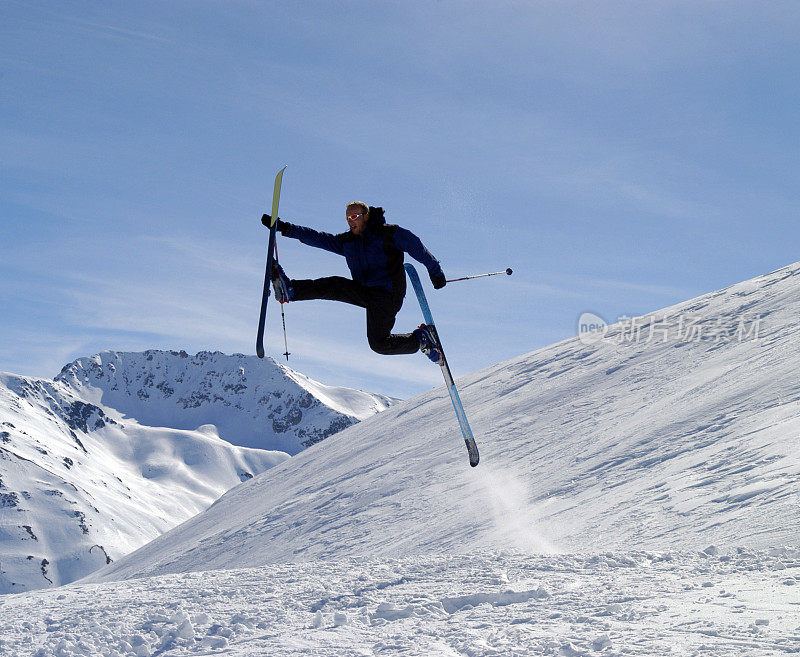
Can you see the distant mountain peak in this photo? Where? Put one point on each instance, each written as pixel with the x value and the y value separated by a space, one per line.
pixel 253 402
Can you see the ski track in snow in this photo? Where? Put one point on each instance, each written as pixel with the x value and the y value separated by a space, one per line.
pixel 507 603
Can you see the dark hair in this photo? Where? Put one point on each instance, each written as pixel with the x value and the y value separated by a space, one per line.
pixel 376 217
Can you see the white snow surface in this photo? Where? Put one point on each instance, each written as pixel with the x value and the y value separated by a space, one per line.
pixel 252 402
pixel 635 497
pixel 481 605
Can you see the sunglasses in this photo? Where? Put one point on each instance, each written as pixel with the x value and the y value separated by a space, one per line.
pixel 354 217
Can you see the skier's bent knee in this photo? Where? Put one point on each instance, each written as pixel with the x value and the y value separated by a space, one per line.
pixel 379 347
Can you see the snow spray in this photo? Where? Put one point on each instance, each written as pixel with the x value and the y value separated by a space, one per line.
pixel 515 517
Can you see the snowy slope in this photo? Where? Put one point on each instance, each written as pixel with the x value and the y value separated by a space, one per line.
pixel 80 487
pixel 252 402
pixel 655 442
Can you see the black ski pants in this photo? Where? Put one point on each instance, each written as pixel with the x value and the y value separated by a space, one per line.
pixel 382 307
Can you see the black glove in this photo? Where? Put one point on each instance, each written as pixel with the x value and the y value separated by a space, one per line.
pixel 281 226
pixel 438 281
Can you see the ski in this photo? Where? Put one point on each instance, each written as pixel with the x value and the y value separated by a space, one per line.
pixel 276 194
pixel 472 447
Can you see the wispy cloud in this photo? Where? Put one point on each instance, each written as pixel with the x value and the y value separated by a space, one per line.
pixel 216 255
pixel 653 290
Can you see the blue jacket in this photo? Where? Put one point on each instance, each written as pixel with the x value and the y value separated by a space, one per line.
pixel 375 257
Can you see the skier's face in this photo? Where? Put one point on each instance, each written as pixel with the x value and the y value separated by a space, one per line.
pixel 356 219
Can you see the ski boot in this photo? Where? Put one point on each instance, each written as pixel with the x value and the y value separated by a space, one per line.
pixel 284 292
pixel 428 344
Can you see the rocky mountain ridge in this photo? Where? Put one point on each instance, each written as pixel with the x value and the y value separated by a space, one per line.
pixel 252 402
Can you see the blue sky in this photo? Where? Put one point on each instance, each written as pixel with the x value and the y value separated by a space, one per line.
pixel 620 156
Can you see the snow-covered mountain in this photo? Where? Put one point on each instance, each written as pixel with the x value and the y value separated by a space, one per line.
pixel 664 431
pixel 81 484
pixel 252 402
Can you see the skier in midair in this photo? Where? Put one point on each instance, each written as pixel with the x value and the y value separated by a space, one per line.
pixel 374 253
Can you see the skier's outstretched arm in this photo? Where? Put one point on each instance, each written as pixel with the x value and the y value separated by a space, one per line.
pixel 309 236
pixel 413 246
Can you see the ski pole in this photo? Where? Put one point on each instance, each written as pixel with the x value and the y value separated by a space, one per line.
pixel 508 271
pixel 285 345
pixel 283 316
